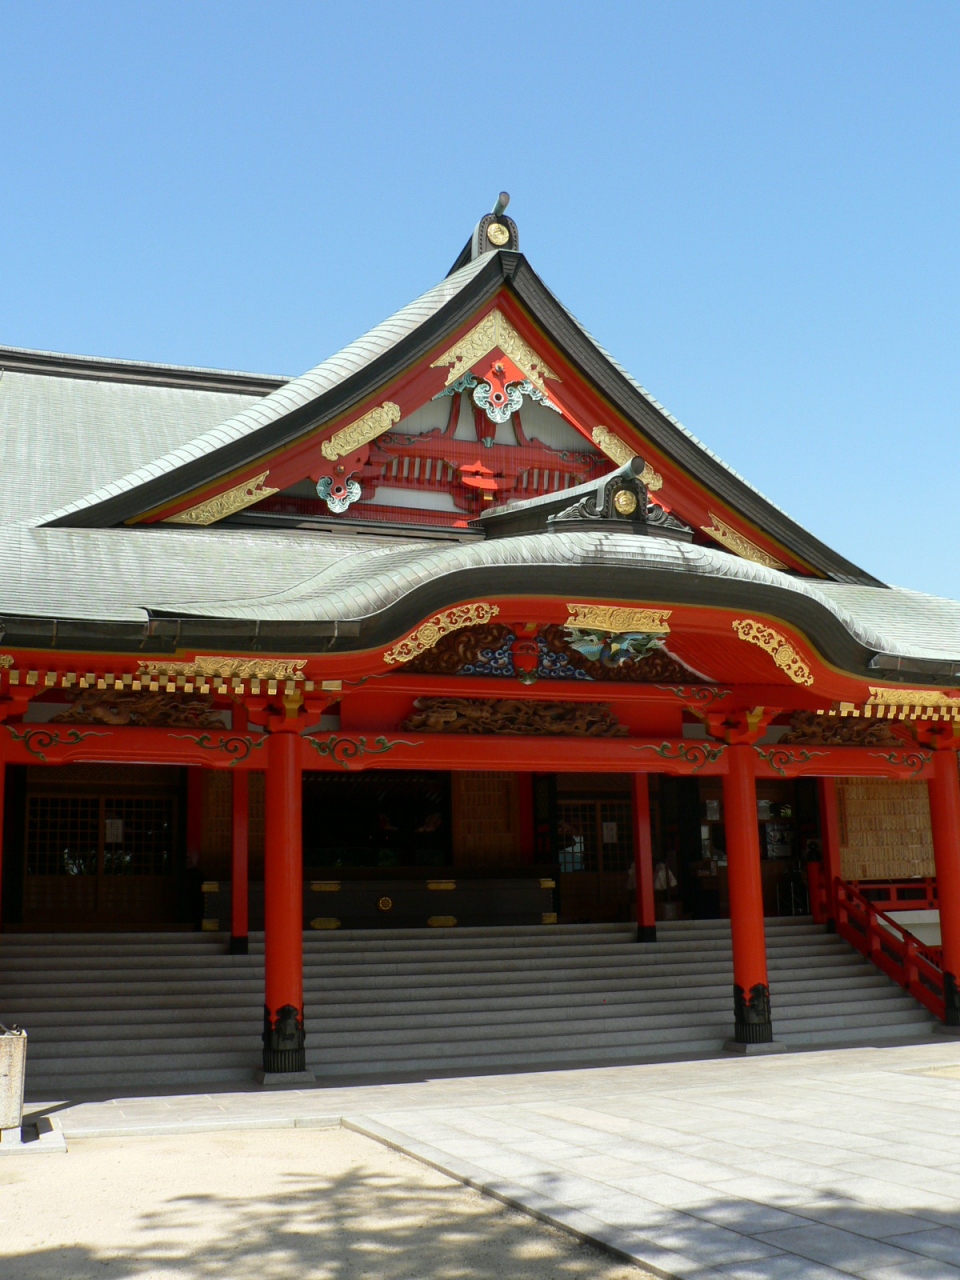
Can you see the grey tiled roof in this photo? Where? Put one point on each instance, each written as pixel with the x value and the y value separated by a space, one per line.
pixel 293 395
pixel 120 574
pixel 61 436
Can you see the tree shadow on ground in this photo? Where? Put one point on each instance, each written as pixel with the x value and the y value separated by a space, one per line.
pixel 360 1225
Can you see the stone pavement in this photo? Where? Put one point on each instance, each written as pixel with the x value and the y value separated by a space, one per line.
pixel 808 1165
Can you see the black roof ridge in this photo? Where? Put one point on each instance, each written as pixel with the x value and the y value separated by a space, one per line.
pixel 510 268
pixel 55 364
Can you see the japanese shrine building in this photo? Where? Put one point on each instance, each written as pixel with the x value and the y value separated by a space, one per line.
pixel 458 628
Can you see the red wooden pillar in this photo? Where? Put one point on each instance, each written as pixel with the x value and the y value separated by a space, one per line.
pixel 830 844
pixel 751 991
pixel 643 860
pixel 239 886
pixel 283 1034
pixel 944 788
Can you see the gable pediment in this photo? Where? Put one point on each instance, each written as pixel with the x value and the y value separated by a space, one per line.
pixel 493 347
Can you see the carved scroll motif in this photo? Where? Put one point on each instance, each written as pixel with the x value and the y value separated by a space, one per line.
pixel 350 438
pixel 778 646
pixel 427 635
pixel 229 668
pixel 603 617
pixel 6 659
pixel 508 716
pixel 621 453
pixel 226 503
pixel 722 532
pixel 494 331
pixel 911 698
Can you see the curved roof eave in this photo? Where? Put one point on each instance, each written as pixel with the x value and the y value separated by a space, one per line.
pixel 360 368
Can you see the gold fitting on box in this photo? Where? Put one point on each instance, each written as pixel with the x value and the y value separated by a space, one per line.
pixel 325 922
pixel 210 886
pixel 324 886
pixel 442 922
pixel 549 917
pixel 210 926
pixel 548 884
pixel 438 885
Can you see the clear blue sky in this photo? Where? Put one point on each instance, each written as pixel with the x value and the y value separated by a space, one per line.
pixel 753 205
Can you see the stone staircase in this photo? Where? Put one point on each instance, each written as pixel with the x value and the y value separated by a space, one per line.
pixel 128 1011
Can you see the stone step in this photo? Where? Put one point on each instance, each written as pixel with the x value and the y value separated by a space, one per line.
pixel 112 1011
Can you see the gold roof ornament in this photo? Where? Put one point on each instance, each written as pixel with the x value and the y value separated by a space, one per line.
pixel 740 545
pixel 494 332
pixel 618 619
pixel 350 438
pixel 225 504
pixel 427 635
pixel 621 453
pixel 778 646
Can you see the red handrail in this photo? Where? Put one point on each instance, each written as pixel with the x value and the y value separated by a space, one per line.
pixel 891 948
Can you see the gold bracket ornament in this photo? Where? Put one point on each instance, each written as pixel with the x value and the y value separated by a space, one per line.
pixel 911 698
pixel 778 646
pixel 349 439
pixel 494 332
pixel 427 635
pixel 230 668
pixel 619 620
pixel 6 660
pixel 226 503
pixel 621 453
pixel 721 532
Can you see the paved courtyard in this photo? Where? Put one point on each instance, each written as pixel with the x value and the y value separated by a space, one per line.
pixel 815 1166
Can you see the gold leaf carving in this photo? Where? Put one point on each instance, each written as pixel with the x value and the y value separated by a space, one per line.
pixel 349 439
pixel 226 503
pixel 6 659
pixel 427 635
pixel 778 646
pixel 911 698
pixel 605 617
pixel 621 453
pixel 230 668
pixel 738 544
pixel 494 331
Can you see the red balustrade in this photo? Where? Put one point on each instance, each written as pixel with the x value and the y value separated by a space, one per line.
pixel 892 949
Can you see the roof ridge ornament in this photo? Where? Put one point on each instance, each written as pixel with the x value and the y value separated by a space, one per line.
pixel 493 232
pixel 621 501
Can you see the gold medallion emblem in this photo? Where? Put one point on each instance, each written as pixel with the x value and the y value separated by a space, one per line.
pixel 385 904
pixel 498 234
pixel 625 502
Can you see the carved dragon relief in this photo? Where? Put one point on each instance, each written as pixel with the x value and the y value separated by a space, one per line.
pixel 512 717
pixel 487 651
pixel 143 709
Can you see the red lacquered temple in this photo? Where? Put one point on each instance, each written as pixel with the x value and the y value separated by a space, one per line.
pixel 460 629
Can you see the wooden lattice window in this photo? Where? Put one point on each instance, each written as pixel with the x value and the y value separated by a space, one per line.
pixel 595 835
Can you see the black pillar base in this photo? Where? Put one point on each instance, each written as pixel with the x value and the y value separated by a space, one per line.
pixel 646 933
pixel 238 946
pixel 951 998
pixel 752 1021
pixel 284 1041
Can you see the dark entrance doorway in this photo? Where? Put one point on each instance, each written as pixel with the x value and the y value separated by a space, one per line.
pixel 595 847
pixel 100 847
